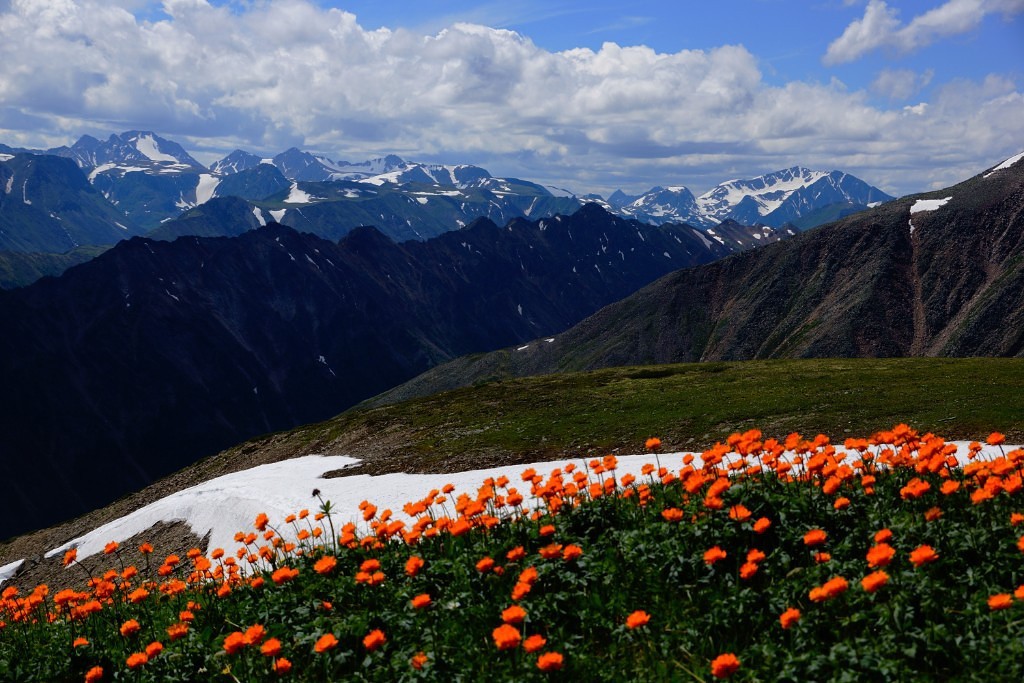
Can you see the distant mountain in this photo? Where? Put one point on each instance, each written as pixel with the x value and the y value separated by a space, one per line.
pixel 157 353
pixel 938 274
pixel 48 205
pixel 793 196
pixel 130 151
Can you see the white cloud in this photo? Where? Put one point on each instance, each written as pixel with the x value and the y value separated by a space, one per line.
pixel 900 84
pixel 880 27
pixel 266 76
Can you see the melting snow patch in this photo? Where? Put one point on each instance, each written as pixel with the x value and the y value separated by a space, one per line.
pixel 228 504
pixel 523 348
pixel 297 196
pixel 148 147
pixel 278 214
pixel 206 188
pixel 928 204
pixel 256 211
pixel 550 340
pixel 1006 164
pixel 9 570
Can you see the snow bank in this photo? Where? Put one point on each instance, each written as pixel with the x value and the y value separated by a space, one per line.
pixel 1006 164
pixel 928 204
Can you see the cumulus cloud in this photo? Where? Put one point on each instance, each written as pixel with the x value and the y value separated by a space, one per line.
pixel 266 76
pixel 900 84
pixel 880 27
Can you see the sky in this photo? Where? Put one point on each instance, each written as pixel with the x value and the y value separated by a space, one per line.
pixel 588 96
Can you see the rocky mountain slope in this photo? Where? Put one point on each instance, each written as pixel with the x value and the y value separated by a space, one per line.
pixel 937 274
pixel 157 353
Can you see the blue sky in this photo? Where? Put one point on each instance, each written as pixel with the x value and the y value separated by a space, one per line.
pixel 591 96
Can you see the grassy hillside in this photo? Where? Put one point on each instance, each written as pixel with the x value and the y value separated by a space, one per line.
pixel 690 406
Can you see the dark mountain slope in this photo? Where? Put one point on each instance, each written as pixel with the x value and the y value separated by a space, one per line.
pixel 157 353
pixel 865 286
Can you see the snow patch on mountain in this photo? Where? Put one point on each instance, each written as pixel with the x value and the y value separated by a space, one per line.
pixel 207 188
pixel 149 149
pixel 1006 164
pixel 928 204
pixel 297 196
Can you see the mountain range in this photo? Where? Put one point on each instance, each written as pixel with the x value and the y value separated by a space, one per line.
pixel 156 353
pixel 141 182
pixel 935 274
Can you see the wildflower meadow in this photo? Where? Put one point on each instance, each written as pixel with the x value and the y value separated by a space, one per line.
pixel 766 559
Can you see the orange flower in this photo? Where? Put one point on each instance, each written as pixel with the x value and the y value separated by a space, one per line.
pixel 138 595
pixel 506 637
pixel 712 555
pixel 932 514
pixel 534 643
pixel 550 661
pixel 284 575
pixel 789 617
pixel 234 642
pixel 748 570
pixel 513 615
pixel 94 674
pixel 637 619
pixel 1000 601
pixel 255 634
pixel 822 558
pixel 672 514
pixel 520 590
pixel 724 665
pixel 418 661
pixel 814 537
pixel 154 648
pixel 130 628
pixel 282 666
pixel 874 581
pixel 547 530
pixel 880 555
pixel 841 503
pixel 324 643
pixel 111 547
pixel 883 536
pixel 755 555
pixel 739 512
pixel 136 660
pixel 80 642
pixel 271 648
pixel 995 439
pixel 762 525
pixel 571 552
pixel 413 565
pixel 653 443
pixel 374 639
pixel 420 601
pixel 370 565
pixel 515 554
pixel 325 565
pixel 261 522
pixel 177 631
pixel 70 557
pixel 923 554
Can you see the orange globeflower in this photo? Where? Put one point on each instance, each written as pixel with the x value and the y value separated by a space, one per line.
pixel 130 628
pixel 748 570
pixel 515 554
pixel 550 661
pixel 413 565
pixel 94 674
pixel 653 443
pixel 234 642
pixel 739 512
pixel 880 555
pixel 789 617
pixel 261 522
pixel 324 643
pixel 111 547
pixel 485 565
pixel 420 601
pixel 637 619
pixel 506 637
pixel 712 555
pixel 814 537
pixel 534 643
pixel 284 575
pixel 923 554
pixel 1000 601
pixel 762 525
pixel 70 557
pixel 418 660
pixel 154 648
pixel 282 666
pixel 571 552
pixel 325 565
pixel 995 439
pixel 271 648
pixel 255 634
pixel 883 536
pixel 513 615
pixel 874 581
pixel 724 665
pixel 136 660
pixel 177 631
pixel 374 639
pixel 80 642
pixel 672 515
